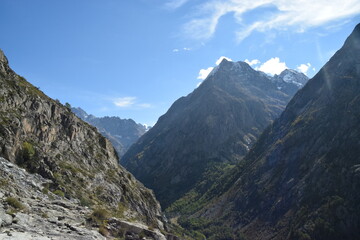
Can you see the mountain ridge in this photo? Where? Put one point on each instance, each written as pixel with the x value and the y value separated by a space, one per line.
pixel 299 180
pixel 122 133
pixel 214 125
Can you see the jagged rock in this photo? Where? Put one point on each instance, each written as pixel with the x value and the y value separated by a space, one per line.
pixel 133 231
pixel 5 219
pixel 40 217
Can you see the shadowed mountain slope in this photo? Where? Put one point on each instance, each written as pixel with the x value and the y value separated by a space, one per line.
pixel 212 127
pixel 301 178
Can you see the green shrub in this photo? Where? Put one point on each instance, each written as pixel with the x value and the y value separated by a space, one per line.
pixel 27 157
pixel 13 202
pixel 85 201
pixel 4 182
pixel 100 214
pixel 45 190
pixel 68 106
pixel 59 193
pixel 28 151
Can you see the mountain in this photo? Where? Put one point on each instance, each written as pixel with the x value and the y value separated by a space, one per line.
pixel 301 179
pixel 211 128
pixel 122 133
pixel 290 81
pixel 70 185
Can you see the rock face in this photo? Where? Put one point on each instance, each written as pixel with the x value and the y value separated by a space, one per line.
pixel 122 133
pixel 212 127
pixel 39 214
pixel 301 179
pixel 79 164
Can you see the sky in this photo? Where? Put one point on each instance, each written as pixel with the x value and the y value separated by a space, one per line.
pixel 134 58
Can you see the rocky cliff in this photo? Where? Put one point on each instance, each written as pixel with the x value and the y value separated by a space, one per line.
pixel 301 179
pixel 208 130
pixel 69 158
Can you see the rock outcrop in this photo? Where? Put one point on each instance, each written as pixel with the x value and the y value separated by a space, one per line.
pixel 29 211
pixel 68 158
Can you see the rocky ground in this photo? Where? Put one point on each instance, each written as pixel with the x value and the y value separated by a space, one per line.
pixel 28 211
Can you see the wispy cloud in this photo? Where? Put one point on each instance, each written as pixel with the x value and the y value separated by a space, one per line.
pixel 127 102
pixel 124 101
pixel 176 50
pixel 144 105
pixel 173 4
pixel 297 16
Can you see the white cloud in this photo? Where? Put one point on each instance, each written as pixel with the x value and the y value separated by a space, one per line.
pixel 173 4
pixel 252 62
pixel 272 66
pixel 181 49
pixel 222 58
pixel 278 15
pixel 303 68
pixel 203 73
pixel 125 101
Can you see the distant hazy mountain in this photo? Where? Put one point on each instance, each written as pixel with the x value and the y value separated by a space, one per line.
pixel 210 128
pixel 121 132
pixel 301 180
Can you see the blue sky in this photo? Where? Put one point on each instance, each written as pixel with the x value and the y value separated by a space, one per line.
pixel 134 58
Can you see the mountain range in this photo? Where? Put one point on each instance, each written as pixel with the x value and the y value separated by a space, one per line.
pixel 244 156
pixel 210 129
pixel 122 133
pixel 301 178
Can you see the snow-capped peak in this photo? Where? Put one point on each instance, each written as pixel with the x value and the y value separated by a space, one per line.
pixel 292 76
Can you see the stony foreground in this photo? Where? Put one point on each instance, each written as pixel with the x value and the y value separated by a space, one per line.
pixel 28 211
